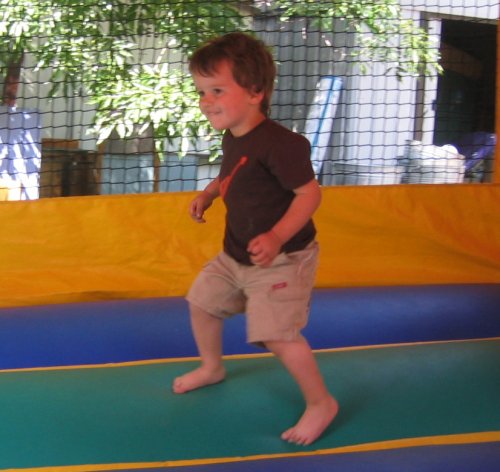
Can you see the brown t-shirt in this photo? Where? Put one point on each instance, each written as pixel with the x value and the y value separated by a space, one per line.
pixel 258 174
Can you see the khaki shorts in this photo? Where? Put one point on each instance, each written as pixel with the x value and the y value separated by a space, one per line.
pixel 275 299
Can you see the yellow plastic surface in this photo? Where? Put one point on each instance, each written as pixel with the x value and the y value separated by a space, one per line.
pixel 134 246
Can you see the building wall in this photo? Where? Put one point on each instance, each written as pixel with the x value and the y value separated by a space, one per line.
pixel 377 113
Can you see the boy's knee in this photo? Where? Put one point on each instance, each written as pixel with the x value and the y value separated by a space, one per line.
pixel 277 347
pixel 283 346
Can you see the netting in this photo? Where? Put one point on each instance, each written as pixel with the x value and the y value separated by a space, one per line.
pixel 97 99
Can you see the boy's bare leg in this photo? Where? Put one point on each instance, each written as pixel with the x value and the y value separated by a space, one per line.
pixel 321 406
pixel 207 331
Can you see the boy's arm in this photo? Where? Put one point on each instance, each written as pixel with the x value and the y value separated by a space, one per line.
pixel 213 188
pixel 265 247
pixel 306 202
pixel 204 200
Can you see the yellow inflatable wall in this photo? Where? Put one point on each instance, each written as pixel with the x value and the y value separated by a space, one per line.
pixel 89 248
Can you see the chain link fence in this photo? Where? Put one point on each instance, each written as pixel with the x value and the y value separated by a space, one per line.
pixel 97 99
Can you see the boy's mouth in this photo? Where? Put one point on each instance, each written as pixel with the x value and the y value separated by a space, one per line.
pixel 210 113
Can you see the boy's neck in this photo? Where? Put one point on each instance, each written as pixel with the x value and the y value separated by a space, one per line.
pixel 250 125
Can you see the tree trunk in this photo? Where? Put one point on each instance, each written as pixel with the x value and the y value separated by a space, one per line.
pixel 11 86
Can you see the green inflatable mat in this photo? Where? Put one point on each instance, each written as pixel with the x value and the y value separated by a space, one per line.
pixel 126 414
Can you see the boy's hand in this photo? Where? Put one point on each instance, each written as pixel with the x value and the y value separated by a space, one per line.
pixel 199 205
pixel 264 248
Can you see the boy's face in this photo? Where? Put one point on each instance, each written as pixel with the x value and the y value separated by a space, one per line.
pixel 226 104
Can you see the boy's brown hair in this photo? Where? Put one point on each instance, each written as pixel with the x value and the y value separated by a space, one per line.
pixel 251 62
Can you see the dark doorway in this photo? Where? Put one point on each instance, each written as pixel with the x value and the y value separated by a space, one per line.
pixel 466 91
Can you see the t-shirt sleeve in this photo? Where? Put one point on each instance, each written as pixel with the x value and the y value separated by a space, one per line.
pixel 290 161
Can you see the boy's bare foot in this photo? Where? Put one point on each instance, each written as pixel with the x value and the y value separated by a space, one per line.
pixel 197 378
pixel 312 424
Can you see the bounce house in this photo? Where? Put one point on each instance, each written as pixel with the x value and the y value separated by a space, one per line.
pixel 404 322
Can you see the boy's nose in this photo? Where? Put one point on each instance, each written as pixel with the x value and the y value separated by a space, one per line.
pixel 205 100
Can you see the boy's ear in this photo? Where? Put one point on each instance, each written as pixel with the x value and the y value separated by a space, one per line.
pixel 256 97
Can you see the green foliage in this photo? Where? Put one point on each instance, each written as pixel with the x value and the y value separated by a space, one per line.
pixel 155 97
pixel 382 32
pixel 91 48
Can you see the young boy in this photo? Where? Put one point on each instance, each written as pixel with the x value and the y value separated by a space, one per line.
pixel 268 265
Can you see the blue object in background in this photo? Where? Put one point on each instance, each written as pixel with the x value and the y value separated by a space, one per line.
pixel 476 147
pixel 20 149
